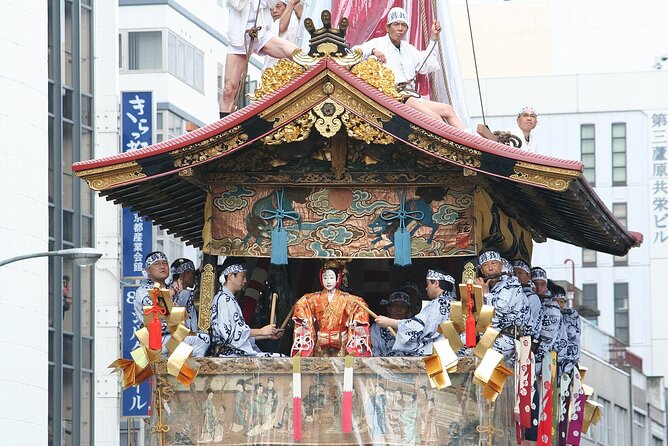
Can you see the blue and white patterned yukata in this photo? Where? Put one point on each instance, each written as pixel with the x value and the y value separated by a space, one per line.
pixel 416 335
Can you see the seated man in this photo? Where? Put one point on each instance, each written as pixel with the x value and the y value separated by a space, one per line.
pixel 416 335
pixel 404 60
pixel 242 17
pixel 287 15
pixel 157 271
pixel 510 304
pixel 398 307
pixel 230 335
pixel 331 322
pixel 183 282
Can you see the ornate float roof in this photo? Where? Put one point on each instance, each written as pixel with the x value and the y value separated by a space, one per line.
pixel 269 140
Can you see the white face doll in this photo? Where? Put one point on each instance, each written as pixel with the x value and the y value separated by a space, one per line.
pixel 329 280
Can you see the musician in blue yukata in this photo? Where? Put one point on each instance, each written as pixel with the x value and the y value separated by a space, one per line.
pixel 532 324
pixel 230 335
pixel 183 283
pixel 504 293
pixel 550 317
pixel 416 335
pixel 567 344
pixel 398 307
pixel 157 271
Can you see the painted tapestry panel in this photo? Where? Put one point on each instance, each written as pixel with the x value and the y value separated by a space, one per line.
pixel 496 229
pixel 340 222
pixel 249 401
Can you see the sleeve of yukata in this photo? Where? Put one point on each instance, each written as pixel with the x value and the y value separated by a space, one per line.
pixel 415 335
pixel 532 324
pixel 549 329
pixel 359 339
pixel 572 330
pixel 186 299
pixel 510 307
pixel 378 345
pixel 368 46
pixel 229 327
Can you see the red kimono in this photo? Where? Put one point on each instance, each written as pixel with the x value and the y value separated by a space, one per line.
pixel 331 329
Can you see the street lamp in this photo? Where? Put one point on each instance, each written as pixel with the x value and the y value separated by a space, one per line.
pixel 571 298
pixel 80 256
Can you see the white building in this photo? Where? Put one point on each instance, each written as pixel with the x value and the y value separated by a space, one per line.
pixel 587 68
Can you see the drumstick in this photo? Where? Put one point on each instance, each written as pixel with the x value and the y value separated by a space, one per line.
pixel 374 315
pixel 272 315
pixel 287 318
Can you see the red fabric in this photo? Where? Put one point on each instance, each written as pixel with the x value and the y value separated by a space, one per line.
pixel 347 412
pixel 155 334
pixel 249 303
pixel 368 16
pixel 297 418
pixel 525 397
pixel 470 320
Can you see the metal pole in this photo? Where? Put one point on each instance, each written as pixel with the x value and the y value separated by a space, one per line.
pixel 570 301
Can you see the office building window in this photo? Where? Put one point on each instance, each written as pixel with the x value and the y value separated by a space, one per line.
pixel 590 299
pixel 619 154
pixel 588 151
pixel 144 50
pixel 185 61
pixel 621 425
pixel 621 293
pixel 620 211
pixel 588 257
pixel 603 431
pixel 639 429
pixel 169 125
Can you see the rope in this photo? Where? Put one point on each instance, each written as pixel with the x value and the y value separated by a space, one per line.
pixel 252 34
pixel 475 63
pixel 441 60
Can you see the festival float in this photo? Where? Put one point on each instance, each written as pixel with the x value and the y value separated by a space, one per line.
pixel 327 163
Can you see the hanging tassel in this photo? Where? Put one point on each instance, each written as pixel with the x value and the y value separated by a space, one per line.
pixel 347 405
pixel 297 397
pixel 279 236
pixel 470 319
pixel 402 237
pixel 279 246
pixel 402 247
pixel 155 334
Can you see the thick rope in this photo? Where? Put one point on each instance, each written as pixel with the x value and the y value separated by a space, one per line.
pixel 441 60
pixel 475 63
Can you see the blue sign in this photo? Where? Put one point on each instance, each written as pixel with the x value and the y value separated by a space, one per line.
pixel 136 400
pixel 137 112
pixel 137 242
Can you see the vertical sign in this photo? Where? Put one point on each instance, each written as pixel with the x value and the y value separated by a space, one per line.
pixel 658 139
pixel 137 119
pixel 135 399
pixel 137 133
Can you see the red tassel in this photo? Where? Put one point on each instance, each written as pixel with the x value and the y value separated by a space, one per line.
pixel 470 320
pixel 155 334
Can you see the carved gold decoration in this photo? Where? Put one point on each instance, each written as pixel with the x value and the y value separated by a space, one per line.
pixel 328 88
pixel 329 49
pixel 297 130
pixel 553 178
pixel 301 99
pixel 360 129
pixel 329 121
pixel 444 148
pixel 377 75
pixel 207 288
pixel 102 178
pixel 276 77
pixel 210 148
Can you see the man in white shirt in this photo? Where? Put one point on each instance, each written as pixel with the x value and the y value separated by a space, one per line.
pixel 404 60
pixel 242 16
pixel 526 122
pixel 287 15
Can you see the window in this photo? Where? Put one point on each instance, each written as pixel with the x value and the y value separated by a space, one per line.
pixel 603 426
pixel 619 154
pixel 620 211
pixel 590 298
pixel 144 50
pixel 639 434
pixel 169 125
pixel 621 425
pixel 221 80
pixel 622 312
pixel 588 257
pixel 185 61
pixel 588 151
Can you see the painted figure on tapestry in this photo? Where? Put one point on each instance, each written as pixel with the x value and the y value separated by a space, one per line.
pixel 240 407
pixel 331 322
pixel 376 411
pixel 409 419
pixel 210 421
